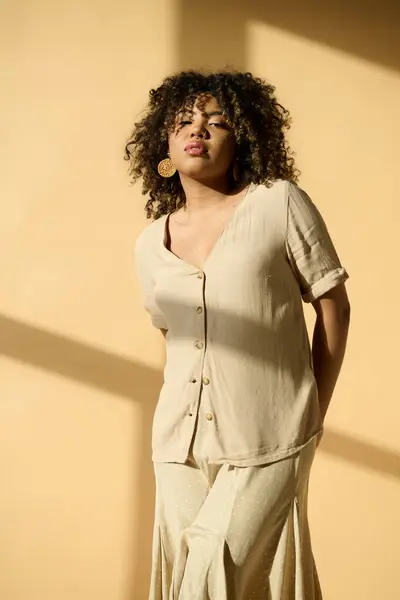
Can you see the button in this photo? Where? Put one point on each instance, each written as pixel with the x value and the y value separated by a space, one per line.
pixel 200 275
pixel 209 417
pixel 199 310
pixel 206 381
pixel 199 345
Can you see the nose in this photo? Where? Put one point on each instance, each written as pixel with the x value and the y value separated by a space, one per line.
pixel 198 131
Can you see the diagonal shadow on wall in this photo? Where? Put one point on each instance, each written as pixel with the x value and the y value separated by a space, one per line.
pixel 130 379
pixel 213 34
pixel 73 359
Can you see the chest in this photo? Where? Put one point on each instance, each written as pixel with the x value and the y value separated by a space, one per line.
pixel 194 241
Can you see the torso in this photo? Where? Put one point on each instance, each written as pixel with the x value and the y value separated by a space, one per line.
pixel 237 324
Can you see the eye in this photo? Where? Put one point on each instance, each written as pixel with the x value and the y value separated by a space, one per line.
pixel 183 123
pixel 218 125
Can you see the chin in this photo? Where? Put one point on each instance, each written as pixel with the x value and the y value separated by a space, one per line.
pixel 194 171
pixel 201 168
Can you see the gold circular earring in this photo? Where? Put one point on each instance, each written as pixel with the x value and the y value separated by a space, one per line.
pixel 166 168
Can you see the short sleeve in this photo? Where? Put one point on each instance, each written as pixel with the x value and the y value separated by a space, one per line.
pixel 310 249
pixel 145 269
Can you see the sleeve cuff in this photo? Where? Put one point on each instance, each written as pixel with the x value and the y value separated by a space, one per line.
pixel 324 285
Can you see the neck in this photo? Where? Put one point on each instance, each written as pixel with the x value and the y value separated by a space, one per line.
pixel 204 195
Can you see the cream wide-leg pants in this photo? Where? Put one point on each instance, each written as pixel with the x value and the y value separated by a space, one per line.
pixel 233 533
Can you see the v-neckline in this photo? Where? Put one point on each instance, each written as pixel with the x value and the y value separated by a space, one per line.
pixel 227 226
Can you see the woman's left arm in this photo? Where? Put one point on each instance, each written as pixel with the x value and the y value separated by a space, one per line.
pixel 329 341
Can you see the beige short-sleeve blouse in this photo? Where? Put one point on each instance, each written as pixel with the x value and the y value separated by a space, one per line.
pixel 238 355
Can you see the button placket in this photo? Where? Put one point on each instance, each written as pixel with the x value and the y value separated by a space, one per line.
pixel 193 405
pixel 199 344
pixel 200 310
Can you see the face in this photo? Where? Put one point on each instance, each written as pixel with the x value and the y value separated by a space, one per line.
pixel 202 146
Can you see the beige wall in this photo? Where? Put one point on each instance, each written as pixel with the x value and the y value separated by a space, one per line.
pixel 81 366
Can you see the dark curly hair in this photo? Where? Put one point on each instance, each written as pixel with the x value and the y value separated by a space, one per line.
pixel 252 111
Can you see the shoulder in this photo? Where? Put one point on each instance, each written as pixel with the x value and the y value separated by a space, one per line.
pixel 272 200
pixel 289 196
pixel 151 236
pixel 284 203
pixel 277 192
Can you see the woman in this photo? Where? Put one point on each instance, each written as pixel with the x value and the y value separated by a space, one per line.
pixel 234 246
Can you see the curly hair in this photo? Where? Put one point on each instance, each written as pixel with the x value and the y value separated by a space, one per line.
pixel 252 111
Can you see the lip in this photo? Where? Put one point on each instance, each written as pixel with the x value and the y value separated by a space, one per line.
pixel 196 148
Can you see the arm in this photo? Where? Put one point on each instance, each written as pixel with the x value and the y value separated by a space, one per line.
pixel 146 270
pixel 329 341
pixel 321 279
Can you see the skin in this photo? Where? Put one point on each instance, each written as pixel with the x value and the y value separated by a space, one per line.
pixel 211 199
pixel 205 179
pixel 210 189
pixel 329 342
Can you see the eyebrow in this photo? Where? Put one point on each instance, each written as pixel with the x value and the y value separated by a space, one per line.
pixel 214 113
